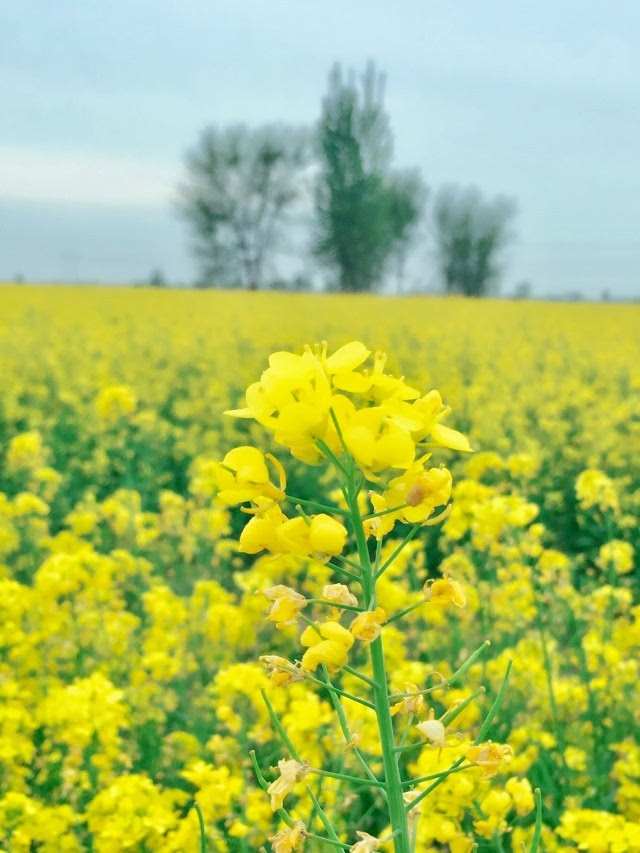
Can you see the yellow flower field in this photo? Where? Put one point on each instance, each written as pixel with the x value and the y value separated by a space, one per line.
pixel 131 621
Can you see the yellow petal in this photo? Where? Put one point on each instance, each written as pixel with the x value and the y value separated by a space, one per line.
pixel 353 382
pixel 451 438
pixel 347 357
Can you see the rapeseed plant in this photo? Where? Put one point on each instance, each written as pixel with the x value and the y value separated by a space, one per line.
pixel 366 425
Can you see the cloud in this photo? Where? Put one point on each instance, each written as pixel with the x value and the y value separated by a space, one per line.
pixel 38 174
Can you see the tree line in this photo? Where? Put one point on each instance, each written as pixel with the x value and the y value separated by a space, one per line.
pixel 247 191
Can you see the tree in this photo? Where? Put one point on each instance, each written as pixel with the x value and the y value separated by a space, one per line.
pixel 523 290
pixel 470 233
pixel 364 213
pixel 157 279
pixel 241 185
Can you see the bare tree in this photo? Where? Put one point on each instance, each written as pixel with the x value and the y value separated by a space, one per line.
pixel 470 233
pixel 241 184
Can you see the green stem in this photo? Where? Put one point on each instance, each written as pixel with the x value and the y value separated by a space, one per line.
pixel 473 657
pixel 497 704
pixel 384 512
pixel 397 811
pixel 203 833
pixel 452 713
pixel 333 689
pixel 344 726
pixel 357 674
pixel 431 776
pixel 405 733
pixel 441 777
pixel 400 547
pixel 286 740
pixel 283 814
pixel 323 817
pixel 324 840
pixel 406 610
pixel 341 571
pixel 284 737
pixel 346 778
pixel 349 562
pixel 553 706
pixel 334 510
pixel 336 604
pixel 478 739
pixel 535 841
pixel 328 452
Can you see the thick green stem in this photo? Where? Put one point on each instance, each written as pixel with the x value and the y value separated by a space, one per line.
pixel 397 811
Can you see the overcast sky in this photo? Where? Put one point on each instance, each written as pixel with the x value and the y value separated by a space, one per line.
pixel 536 100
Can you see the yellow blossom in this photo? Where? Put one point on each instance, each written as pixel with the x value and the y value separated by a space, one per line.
pixel 489 757
pixel 618 555
pixel 367 626
pixel 367 843
pixel 116 401
pixel 412 704
pixel 434 731
pixel 243 476
pixel 291 772
pixel 287 603
pixel 522 795
pixel 444 591
pixel 282 671
pixel 337 594
pixel 328 644
pixel 289 839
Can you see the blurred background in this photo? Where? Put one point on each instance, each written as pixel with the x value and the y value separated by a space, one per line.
pixel 425 146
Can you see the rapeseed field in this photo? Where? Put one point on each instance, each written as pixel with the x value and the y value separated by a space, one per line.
pixel 379 605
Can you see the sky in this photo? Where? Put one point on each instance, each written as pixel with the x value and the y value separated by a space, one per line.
pixel 537 101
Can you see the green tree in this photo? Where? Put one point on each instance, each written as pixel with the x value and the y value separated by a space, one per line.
pixel 241 185
pixel 470 234
pixel 365 214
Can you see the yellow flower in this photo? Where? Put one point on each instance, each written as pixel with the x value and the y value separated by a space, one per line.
pixel 261 532
pixel 287 603
pixel 281 670
pixel 374 443
pixel 410 704
pixel 344 361
pixel 291 772
pixel 293 399
pixel 433 730
pixel 243 476
pixel 289 839
pixel 521 794
pixel 271 530
pixel 337 594
pixel 116 401
pixel 326 535
pixel 595 489
pixel 416 494
pixel 444 591
pixel 328 644
pixel 414 812
pixel 489 757
pixel 367 843
pixel 422 418
pixel 616 554
pixel 367 626
pixel 25 450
